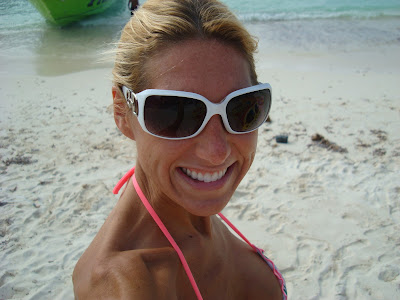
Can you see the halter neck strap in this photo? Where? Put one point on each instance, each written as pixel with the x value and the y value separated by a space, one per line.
pixel 160 225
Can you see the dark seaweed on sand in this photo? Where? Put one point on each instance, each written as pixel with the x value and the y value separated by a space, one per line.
pixel 18 160
pixel 323 142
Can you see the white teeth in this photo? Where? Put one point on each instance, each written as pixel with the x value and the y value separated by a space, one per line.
pixel 207 177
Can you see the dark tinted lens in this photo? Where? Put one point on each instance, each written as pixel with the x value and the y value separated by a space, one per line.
pixel 173 117
pixel 247 112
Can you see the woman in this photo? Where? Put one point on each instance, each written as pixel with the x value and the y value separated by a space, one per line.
pixel 185 90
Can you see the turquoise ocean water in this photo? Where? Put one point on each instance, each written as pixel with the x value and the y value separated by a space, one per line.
pixel 25 34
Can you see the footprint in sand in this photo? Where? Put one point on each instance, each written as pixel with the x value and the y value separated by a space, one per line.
pixel 389 274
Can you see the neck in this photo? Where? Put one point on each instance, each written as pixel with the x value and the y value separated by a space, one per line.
pixel 181 224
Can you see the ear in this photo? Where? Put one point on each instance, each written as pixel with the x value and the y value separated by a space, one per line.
pixel 121 113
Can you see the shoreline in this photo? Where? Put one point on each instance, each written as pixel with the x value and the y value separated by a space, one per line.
pixel 53 51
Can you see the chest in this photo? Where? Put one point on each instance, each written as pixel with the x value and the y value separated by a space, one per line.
pixel 245 276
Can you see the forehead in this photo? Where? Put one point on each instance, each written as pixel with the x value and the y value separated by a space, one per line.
pixel 199 66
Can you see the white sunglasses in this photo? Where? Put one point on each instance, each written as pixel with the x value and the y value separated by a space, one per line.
pixel 177 115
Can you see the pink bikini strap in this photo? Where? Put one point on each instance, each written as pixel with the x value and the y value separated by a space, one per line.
pixel 274 269
pixel 123 180
pixel 237 231
pixel 160 224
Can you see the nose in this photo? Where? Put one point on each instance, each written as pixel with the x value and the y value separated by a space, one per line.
pixel 213 144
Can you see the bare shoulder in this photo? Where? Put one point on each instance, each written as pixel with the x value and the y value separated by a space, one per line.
pixel 134 274
pixel 118 265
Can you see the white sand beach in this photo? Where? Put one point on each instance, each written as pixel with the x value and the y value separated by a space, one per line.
pixel 327 212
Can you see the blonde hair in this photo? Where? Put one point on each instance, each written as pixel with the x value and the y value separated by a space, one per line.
pixel 160 23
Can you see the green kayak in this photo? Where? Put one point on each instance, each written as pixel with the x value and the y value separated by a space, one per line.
pixel 63 12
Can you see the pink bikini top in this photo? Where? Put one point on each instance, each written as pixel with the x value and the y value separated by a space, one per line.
pixel 160 224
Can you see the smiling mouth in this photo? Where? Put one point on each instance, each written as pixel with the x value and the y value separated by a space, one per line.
pixel 206 177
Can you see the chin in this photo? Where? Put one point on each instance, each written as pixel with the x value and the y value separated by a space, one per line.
pixel 206 208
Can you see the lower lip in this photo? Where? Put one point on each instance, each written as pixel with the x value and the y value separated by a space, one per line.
pixel 201 185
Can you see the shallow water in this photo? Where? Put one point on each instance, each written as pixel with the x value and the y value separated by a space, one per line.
pixel 48 50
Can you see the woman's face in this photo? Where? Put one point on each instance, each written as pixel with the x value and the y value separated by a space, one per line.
pixel 169 170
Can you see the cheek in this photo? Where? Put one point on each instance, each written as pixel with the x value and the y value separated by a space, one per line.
pixel 146 144
pixel 253 147
pixel 157 154
pixel 248 144
pixel 148 148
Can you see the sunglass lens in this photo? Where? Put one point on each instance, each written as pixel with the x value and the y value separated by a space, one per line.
pixel 247 112
pixel 173 117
